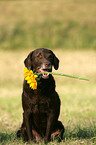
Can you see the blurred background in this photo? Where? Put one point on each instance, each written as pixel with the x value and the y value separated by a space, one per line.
pixel 31 24
pixel 68 27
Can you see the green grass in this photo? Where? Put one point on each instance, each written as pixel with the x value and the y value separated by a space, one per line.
pixel 31 24
pixel 78 98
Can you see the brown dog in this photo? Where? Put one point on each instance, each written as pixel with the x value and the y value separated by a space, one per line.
pixel 42 106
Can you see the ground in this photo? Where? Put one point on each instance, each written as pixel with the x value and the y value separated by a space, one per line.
pixel 78 98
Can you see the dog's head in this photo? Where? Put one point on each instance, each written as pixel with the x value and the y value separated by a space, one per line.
pixel 41 60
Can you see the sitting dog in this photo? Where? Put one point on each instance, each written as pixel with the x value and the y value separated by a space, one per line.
pixel 41 106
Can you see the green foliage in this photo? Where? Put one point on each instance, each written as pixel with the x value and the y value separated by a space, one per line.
pixel 70 25
pixel 50 34
pixel 81 131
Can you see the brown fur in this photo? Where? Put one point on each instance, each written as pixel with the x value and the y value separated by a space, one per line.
pixel 42 106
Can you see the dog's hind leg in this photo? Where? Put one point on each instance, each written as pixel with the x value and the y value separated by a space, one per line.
pixel 22 133
pixel 36 136
pixel 58 132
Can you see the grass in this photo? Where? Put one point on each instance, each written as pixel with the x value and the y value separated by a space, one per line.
pixel 78 98
pixel 52 24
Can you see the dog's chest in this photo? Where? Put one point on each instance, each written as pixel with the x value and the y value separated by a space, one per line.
pixel 40 104
pixel 40 107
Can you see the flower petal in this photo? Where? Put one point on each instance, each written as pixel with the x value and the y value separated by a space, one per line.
pixel 30 77
pixel 35 76
pixel 27 78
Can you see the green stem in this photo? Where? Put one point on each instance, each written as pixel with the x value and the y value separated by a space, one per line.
pixel 70 76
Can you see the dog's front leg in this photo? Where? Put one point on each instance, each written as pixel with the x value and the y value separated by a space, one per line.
pixel 27 125
pixel 50 123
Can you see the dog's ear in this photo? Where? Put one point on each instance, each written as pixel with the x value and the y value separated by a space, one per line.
pixel 28 61
pixel 55 61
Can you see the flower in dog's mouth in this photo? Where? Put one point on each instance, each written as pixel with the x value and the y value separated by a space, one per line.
pixel 30 78
pixel 44 72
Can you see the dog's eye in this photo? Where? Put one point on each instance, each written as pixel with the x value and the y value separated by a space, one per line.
pixel 39 55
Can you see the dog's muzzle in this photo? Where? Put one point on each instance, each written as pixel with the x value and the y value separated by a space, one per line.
pixel 45 68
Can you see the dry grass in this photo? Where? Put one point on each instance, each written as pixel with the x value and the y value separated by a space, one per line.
pixel 64 10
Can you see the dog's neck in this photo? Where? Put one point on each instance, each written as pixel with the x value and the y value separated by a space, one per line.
pixel 46 86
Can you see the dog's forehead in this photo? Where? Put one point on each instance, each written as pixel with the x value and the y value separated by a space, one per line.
pixel 42 51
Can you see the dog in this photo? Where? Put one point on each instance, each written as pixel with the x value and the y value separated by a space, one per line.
pixel 41 106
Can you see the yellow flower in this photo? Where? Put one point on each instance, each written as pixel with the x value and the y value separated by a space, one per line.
pixel 30 78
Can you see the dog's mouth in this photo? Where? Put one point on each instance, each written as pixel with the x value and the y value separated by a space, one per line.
pixel 44 76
